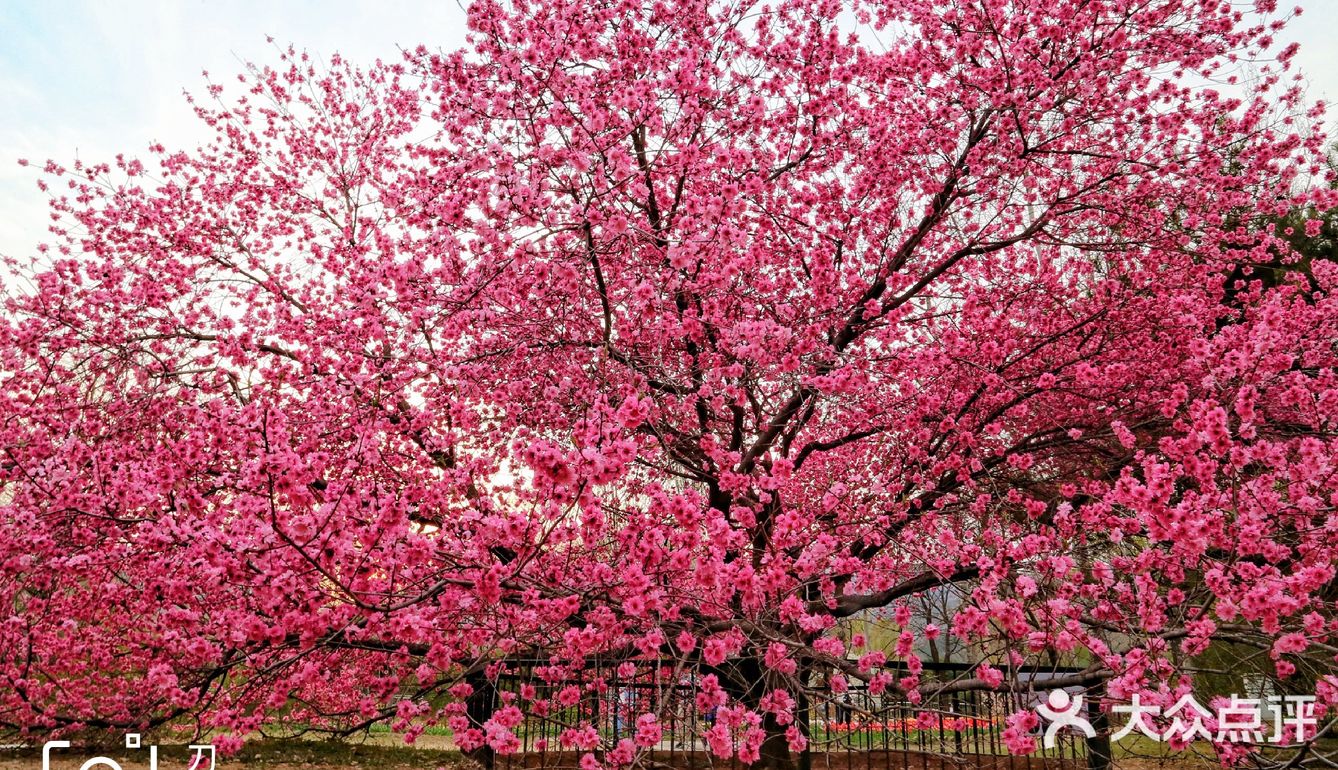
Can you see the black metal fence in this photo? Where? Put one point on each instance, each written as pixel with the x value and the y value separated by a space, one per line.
pixel 852 730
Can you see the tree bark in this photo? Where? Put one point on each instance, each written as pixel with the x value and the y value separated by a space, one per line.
pixel 479 707
pixel 744 681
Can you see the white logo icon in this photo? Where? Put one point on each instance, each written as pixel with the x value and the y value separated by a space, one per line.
pixel 1063 710
pixel 132 741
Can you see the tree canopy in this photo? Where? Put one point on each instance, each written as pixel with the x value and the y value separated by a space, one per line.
pixel 681 332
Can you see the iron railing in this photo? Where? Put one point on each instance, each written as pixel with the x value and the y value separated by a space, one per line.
pixel 856 729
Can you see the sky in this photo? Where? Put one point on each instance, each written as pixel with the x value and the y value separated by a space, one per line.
pixel 87 79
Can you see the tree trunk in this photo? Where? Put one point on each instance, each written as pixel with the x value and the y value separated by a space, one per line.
pixel 743 678
pixel 479 706
pixel 1098 747
pixel 776 754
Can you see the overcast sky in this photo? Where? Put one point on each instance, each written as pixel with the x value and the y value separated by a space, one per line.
pixel 90 79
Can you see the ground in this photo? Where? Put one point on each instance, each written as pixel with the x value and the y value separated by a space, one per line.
pixel 430 755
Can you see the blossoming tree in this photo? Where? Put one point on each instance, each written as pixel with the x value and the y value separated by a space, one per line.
pixel 680 332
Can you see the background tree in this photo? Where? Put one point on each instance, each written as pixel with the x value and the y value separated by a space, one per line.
pixel 676 332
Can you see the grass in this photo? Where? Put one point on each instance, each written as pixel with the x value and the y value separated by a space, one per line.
pixel 343 754
pixel 442 730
